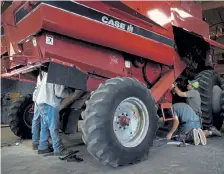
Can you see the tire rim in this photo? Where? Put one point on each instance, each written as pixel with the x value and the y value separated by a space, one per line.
pixel 131 122
pixel 28 115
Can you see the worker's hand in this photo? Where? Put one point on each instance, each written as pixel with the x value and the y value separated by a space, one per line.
pixel 173 86
pixel 169 136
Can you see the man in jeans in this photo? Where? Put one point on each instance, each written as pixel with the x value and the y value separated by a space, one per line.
pixel 36 117
pixel 35 128
pixel 48 101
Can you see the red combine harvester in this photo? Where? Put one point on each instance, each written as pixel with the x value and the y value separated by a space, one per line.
pixel 120 58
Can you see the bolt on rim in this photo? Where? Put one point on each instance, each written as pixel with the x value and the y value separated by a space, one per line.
pixel 131 122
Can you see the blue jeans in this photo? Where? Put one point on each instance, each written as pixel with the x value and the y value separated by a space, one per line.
pixel 49 123
pixel 36 126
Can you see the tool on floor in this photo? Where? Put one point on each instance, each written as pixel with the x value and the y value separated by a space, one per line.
pixel 182 140
pixel 72 157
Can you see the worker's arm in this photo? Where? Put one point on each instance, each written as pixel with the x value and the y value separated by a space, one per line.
pixel 174 128
pixel 179 92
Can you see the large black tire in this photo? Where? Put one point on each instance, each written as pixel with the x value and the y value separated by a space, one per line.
pixel 207 79
pixel 18 125
pixel 218 118
pixel 98 132
pixel 222 95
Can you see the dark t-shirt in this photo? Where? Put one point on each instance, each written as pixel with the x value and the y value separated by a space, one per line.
pixel 187 117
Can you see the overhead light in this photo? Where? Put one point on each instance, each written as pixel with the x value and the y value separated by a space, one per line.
pixel 159 17
pixel 182 13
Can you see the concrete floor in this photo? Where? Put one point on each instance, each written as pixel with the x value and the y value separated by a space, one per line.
pixel 167 159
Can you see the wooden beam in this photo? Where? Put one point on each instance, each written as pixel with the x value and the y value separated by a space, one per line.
pixel 212 4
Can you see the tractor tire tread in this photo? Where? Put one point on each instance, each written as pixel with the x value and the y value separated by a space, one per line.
pixel 92 126
pixel 14 116
pixel 207 79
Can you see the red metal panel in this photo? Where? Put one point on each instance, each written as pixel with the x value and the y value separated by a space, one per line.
pixel 193 8
pixel 136 73
pixel 141 7
pixel 214 43
pixel 189 19
pixel 93 83
pixel 95 59
pixel 117 39
pixel 158 11
pixel 3 45
pixel 19 32
pixel 24 69
pixel 165 83
pixel 85 56
pixel 152 72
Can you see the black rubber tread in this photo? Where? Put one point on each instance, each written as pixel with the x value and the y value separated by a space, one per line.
pixel 218 118
pixel 15 117
pixel 222 95
pixel 101 141
pixel 207 80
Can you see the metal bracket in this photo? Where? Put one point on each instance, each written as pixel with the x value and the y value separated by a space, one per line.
pixel 167 106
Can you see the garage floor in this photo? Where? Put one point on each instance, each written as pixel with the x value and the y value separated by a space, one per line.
pixel 167 159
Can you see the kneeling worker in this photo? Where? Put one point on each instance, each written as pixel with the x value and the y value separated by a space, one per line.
pixel 188 123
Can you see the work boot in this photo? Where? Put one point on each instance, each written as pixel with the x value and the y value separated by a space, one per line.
pixel 35 146
pixel 50 147
pixel 64 152
pixel 215 131
pixel 45 151
pixel 202 137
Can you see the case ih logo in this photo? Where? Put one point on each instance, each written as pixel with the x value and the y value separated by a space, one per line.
pixel 117 24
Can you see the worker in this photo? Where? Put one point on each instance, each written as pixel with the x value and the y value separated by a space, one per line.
pixel 36 117
pixel 192 95
pixel 188 124
pixel 48 101
pixel 194 100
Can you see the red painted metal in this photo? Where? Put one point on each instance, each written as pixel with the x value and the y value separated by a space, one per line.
pixel 163 85
pixel 188 15
pixel 167 106
pixel 106 57
pixel 3 45
pixel 87 57
pixel 118 39
pixel 214 43
pixel 24 69
pixel 124 121
pixel 150 21
pixel 94 82
pixel 152 72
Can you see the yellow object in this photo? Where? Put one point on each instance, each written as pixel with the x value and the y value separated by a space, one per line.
pixel 195 85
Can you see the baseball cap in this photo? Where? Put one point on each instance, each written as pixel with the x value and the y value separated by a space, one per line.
pixel 194 83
